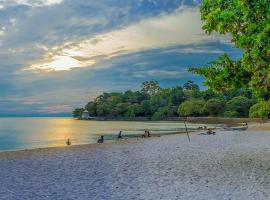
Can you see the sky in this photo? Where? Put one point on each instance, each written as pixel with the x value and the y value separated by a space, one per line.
pixel 57 55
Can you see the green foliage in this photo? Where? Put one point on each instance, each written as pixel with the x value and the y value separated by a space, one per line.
pixel 170 102
pixel 239 105
pixel 150 87
pixel 215 106
pixel 209 94
pixel 77 113
pixel 248 24
pixel 260 110
pixel 190 85
pixel 158 116
pixel 130 114
pixel 230 113
pixel 91 107
pixel 191 90
pixel 223 74
pixel 192 108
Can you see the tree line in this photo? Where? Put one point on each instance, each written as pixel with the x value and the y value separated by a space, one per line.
pixel 156 103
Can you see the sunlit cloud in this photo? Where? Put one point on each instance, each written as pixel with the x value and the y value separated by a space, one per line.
pixel 181 27
pixel 32 3
pixel 61 63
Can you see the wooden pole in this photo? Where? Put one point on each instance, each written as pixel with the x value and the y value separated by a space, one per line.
pixel 186 129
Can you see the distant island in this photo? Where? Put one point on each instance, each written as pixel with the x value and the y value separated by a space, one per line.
pixel 155 103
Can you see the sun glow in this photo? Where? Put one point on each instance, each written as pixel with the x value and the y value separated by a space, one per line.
pixel 61 63
pixel 157 32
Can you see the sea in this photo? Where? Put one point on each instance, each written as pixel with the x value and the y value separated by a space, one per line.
pixel 30 133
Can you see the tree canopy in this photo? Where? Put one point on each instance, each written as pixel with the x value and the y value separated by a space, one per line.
pixel 165 103
pixel 247 22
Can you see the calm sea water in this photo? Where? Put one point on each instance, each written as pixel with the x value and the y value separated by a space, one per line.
pixel 29 133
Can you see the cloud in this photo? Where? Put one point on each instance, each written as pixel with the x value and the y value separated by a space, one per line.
pixel 156 73
pixel 31 3
pixel 182 27
pixel 112 45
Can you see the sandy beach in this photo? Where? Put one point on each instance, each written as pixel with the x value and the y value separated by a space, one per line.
pixel 230 165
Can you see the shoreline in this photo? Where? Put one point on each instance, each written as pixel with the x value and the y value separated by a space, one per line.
pixel 253 126
pixel 108 142
pixel 21 152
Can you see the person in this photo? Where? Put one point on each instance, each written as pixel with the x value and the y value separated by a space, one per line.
pixel 148 134
pixel 68 142
pixel 101 139
pixel 120 135
pixel 210 132
pixel 145 134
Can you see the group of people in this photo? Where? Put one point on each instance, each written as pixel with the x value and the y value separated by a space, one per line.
pixel 146 134
pixel 209 132
pixel 119 136
pixel 101 139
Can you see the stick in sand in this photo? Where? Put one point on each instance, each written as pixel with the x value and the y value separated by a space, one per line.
pixel 186 129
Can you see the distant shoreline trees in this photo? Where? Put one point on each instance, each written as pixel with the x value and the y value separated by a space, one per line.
pixel 156 103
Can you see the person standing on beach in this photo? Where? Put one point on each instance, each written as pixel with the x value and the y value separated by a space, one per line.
pixel 148 133
pixel 101 139
pixel 68 142
pixel 120 135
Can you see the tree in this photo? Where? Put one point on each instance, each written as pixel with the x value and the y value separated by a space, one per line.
pixel 176 96
pixel 240 105
pixel 147 108
pixel 91 107
pixel 248 24
pixel 158 116
pixel 209 94
pixel 224 74
pixel 130 114
pixel 168 102
pixel 77 113
pixel 192 108
pixel 150 87
pixel 120 109
pixel 190 85
pixel 260 110
pixel 191 90
pixel 215 106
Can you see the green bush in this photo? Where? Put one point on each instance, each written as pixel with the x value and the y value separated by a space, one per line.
pixel 193 107
pixel 240 105
pixel 230 113
pixel 260 110
pixel 157 116
pixel 214 106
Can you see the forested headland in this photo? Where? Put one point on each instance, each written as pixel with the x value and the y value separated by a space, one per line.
pixel 156 103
